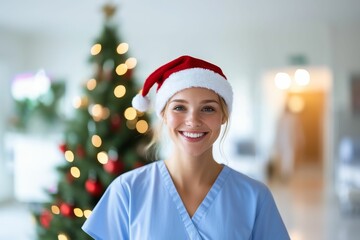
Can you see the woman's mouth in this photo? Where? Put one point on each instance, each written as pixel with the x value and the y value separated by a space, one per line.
pixel 193 135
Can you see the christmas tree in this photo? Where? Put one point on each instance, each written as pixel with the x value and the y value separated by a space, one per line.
pixel 106 137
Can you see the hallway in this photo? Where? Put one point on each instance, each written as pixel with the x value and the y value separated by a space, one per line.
pixel 310 209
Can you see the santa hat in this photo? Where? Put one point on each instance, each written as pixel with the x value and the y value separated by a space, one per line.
pixel 181 73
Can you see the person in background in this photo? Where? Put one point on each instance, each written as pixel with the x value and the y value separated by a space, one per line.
pixel 290 142
pixel 188 195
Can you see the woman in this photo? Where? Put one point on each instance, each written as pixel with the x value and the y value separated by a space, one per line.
pixel 188 195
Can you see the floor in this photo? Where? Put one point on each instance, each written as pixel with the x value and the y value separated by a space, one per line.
pixel 309 210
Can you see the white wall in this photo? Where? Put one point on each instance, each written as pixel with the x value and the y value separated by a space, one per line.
pixel 11 60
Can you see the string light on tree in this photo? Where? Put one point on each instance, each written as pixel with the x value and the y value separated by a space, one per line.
pixel 99 112
pixel 55 209
pixel 142 126
pixel 131 63
pixel 119 91
pixel 69 156
pixel 95 49
pixel 62 236
pixel 75 172
pixel 122 48
pixel 79 102
pixel 91 84
pixel 78 212
pixel 102 157
pixel 121 69
pixel 130 113
pixel 87 213
pixel 96 140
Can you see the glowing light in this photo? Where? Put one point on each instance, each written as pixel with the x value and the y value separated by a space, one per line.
pixel 142 126
pixel 130 113
pixel 121 69
pixel 302 77
pixel 282 80
pixel 62 236
pixel 87 213
pixel 96 110
pixel 131 62
pixel 119 91
pixel 78 212
pixel 122 48
pixel 69 156
pixel 29 86
pixel 296 104
pixel 55 209
pixel 79 102
pixel 75 172
pixel 102 157
pixel 91 84
pixel 96 140
pixel 95 49
pixel 99 112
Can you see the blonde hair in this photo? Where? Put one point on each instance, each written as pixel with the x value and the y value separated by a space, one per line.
pixel 153 146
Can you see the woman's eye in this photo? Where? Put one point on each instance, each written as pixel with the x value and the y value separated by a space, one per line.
pixel 208 109
pixel 178 108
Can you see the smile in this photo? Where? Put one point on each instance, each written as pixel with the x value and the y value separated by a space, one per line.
pixel 193 135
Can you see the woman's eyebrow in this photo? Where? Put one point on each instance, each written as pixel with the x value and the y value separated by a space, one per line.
pixel 210 101
pixel 179 100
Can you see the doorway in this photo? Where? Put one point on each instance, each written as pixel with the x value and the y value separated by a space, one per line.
pixel 310 105
pixel 308 108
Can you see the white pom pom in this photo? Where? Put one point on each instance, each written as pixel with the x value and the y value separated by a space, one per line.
pixel 141 103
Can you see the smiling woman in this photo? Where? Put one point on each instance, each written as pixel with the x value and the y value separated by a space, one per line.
pixel 188 193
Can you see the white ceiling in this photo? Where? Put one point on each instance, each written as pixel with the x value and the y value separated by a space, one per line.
pixel 159 16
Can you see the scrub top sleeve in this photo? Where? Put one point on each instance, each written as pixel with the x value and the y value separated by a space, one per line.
pixel 268 222
pixel 109 219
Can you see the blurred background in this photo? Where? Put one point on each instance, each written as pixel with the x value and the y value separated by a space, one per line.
pixel 294 67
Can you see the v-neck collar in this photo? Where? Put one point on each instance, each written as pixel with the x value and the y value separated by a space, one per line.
pixel 192 223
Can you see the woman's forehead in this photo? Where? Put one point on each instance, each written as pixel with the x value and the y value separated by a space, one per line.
pixel 196 92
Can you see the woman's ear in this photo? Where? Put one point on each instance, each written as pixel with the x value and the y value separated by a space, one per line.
pixel 224 119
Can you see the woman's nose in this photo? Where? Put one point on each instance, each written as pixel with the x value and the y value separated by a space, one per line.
pixel 193 120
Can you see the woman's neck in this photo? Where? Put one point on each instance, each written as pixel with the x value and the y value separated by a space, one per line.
pixel 193 170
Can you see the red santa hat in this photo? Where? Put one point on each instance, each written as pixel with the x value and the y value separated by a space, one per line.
pixel 181 73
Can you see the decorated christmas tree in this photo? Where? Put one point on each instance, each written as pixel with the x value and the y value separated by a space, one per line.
pixel 104 138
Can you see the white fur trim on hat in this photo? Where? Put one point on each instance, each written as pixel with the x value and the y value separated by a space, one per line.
pixel 193 77
pixel 141 103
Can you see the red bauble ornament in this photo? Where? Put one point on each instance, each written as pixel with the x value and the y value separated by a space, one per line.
pixel 80 151
pixel 45 218
pixel 115 122
pixel 67 209
pixel 93 187
pixel 63 147
pixel 114 166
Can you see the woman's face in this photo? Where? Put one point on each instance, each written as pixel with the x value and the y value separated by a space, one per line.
pixel 194 117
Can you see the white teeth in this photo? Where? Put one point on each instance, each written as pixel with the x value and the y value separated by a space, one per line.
pixel 193 135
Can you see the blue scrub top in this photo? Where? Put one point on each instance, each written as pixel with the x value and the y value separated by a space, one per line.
pixel 144 204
